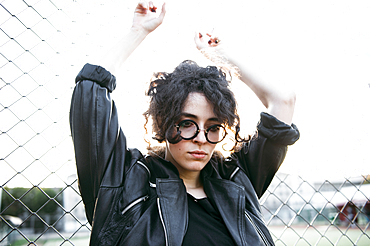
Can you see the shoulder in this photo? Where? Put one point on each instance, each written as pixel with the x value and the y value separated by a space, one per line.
pixel 97 74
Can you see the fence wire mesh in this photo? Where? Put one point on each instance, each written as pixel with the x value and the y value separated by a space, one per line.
pixel 40 201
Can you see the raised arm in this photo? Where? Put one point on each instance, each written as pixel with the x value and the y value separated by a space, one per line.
pixel 278 102
pixel 95 130
pixel 145 21
pixel 262 156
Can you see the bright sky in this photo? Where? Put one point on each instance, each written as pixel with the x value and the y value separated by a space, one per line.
pixel 320 48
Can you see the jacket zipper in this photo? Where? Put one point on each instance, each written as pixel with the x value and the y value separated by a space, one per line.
pixel 264 239
pixel 141 199
pixel 147 169
pixel 235 171
pixel 161 217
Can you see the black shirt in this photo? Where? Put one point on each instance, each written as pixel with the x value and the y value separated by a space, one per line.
pixel 206 226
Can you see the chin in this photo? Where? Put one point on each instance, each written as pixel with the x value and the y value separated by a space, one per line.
pixel 197 165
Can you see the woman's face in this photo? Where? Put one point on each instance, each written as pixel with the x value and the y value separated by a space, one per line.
pixel 191 156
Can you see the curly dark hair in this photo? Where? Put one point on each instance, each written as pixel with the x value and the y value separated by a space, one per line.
pixel 169 91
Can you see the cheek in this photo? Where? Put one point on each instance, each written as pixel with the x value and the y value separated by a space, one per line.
pixel 212 147
pixel 177 148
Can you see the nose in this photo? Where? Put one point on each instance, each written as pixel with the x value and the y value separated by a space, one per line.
pixel 201 137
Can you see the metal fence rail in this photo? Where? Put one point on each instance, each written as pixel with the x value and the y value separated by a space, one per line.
pixel 36 150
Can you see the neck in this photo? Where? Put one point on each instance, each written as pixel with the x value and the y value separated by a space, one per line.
pixel 194 186
pixel 192 180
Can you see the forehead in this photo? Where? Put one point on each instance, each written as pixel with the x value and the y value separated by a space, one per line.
pixel 197 104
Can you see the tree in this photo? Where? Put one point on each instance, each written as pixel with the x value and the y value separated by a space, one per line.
pixel 35 206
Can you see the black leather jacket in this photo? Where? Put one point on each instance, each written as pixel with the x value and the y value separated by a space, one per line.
pixel 131 199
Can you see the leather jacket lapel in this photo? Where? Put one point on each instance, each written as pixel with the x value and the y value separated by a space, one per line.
pixel 230 201
pixel 173 209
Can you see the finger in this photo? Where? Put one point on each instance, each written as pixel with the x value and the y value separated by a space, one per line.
pixel 163 12
pixel 152 8
pixel 202 37
pixel 212 34
pixel 142 7
pixel 199 42
pixel 198 37
pixel 143 4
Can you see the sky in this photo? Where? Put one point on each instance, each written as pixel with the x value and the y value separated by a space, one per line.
pixel 320 49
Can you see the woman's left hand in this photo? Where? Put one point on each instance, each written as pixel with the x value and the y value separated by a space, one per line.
pixel 206 40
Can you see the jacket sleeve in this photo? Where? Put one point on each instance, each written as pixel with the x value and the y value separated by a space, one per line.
pixel 94 128
pixel 261 157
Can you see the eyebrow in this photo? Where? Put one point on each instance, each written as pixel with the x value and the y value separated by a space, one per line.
pixel 196 117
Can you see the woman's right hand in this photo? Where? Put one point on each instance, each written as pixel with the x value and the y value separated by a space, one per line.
pixel 145 17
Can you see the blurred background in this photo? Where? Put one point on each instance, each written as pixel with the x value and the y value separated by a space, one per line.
pixel 320 195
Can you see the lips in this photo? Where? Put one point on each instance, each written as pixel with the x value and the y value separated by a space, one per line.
pixel 198 154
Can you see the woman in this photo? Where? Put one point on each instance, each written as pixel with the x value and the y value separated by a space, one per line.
pixel 186 194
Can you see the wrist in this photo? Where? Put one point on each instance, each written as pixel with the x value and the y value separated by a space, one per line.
pixel 220 57
pixel 139 31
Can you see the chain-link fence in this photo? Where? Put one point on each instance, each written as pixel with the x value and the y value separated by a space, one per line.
pixel 318 213
pixel 40 202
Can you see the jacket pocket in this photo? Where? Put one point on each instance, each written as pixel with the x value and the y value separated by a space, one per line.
pixel 120 222
pixel 132 204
